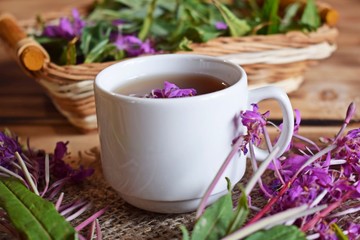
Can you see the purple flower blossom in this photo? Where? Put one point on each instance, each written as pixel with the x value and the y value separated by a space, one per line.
pixel 319 181
pixel 133 46
pixel 353 231
pixel 63 170
pixel 254 121
pixel 34 166
pixel 221 25
pixel 349 149
pixel 8 146
pixel 118 22
pixel 66 28
pixel 170 90
pixel 325 231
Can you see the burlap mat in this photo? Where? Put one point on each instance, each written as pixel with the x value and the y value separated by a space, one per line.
pixel 123 221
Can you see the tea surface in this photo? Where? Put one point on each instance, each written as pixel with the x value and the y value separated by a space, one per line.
pixel 200 82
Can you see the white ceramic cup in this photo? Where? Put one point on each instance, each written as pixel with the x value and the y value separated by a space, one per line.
pixel 162 154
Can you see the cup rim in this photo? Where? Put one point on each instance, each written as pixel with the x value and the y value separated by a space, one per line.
pixel 225 91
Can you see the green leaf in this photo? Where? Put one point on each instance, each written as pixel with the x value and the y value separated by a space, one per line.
pixel 184 45
pixel 255 8
pixel 94 35
pixel 201 34
pixel 240 215
pixel 238 27
pixel 214 222
pixel 278 232
pixel 34 217
pixel 339 233
pixel 290 13
pixel 270 15
pixel 145 29
pixel 97 51
pixel 70 53
pixel 310 16
pixel 132 3
pixel 185 233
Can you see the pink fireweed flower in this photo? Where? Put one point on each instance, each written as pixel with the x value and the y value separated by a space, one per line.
pixel 349 150
pixel 353 230
pixel 170 90
pixel 8 146
pixel 220 25
pixel 63 170
pixel 133 46
pixel 67 28
pixel 255 122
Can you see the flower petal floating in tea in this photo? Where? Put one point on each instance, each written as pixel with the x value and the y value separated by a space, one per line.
pixel 170 90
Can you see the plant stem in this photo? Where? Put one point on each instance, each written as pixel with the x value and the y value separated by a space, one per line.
pixel 269 147
pixel 26 173
pixel 59 201
pixel 273 220
pixel 90 219
pixel 285 187
pixel 349 114
pixel 78 213
pixel 47 175
pixel 304 139
pixel 71 208
pixel 98 230
pixel 346 212
pixel 255 168
pixel 310 224
pixel 203 202
pixel 250 185
pixel 6 171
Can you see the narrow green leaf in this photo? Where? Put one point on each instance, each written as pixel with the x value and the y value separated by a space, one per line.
pixel 255 8
pixel 96 52
pixel 310 16
pixel 270 15
pixel 339 233
pixel 238 27
pixel 34 217
pixel 184 45
pixel 212 225
pixel 290 13
pixel 71 53
pixel 85 43
pixel 240 215
pixel 185 233
pixel 94 35
pixel 200 34
pixel 228 184
pixel 278 232
pixel 145 29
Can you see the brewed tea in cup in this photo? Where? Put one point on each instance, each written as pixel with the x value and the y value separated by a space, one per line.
pixel 162 154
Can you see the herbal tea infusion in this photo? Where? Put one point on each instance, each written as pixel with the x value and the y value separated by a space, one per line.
pixel 184 84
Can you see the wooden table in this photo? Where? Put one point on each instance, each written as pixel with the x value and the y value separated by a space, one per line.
pixel 323 98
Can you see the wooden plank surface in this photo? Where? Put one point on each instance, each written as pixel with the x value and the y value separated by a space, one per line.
pixel 335 82
pixel 329 87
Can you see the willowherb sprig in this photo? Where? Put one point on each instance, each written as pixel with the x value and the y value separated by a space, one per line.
pixel 45 175
pixel 306 176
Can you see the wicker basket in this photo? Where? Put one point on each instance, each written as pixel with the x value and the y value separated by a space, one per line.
pixel 274 59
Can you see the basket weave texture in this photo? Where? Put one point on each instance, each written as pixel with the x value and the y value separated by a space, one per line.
pixel 279 60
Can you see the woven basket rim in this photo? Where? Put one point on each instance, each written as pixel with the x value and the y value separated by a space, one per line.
pixel 277 59
pixel 294 37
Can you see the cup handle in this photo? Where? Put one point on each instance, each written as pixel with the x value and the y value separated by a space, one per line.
pixel 271 92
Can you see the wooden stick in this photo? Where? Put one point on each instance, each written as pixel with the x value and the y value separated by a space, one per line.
pixel 31 55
